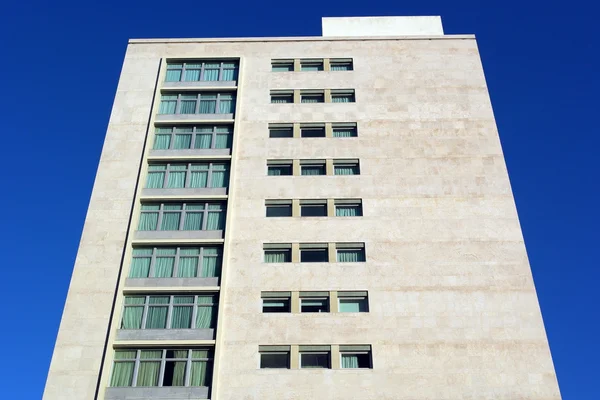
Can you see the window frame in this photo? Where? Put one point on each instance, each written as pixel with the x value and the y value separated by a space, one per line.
pixel 321 204
pixel 355 164
pixel 314 350
pixel 288 95
pixel 319 94
pixel 285 297
pixel 170 305
pixel 163 362
pixel 344 126
pixel 306 128
pixel 314 247
pixel 277 247
pixel 356 350
pixel 361 296
pixel 357 204
pixel 282 62
pixel 313 163
pixel 198 100
pixel 195 133
pixel 340 93
pixel 176 262
pixel 280 164
pixel 236 69
pixel 307 62
pixel 183 212
pixel 274 350
pixel 287 128
pixel 341 61
pixel 188 173
pixel 270 204
pixel 347 247
pixel 320 296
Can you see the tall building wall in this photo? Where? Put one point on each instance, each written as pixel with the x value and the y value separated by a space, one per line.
pixel 452 309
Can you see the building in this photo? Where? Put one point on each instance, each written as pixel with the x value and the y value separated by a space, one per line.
pixel 302 218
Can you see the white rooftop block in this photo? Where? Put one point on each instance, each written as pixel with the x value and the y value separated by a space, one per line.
pixel 382 26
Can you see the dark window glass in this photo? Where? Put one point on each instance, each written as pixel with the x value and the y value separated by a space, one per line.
pixel 314 360
pixel 283 169
pixel 285 132
pixel 350 360
pixel 310 305
pixel 314 255
pixel 276 305
pixel 312 132
pixel 282 66
pixel 313 210
pixel 312 98
pixel 279 210
pixel 278 255
pixel 282 98
pixel 312 169
pixel 274 360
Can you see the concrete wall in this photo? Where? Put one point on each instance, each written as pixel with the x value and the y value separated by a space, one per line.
pixel 382 26
pixel 453 309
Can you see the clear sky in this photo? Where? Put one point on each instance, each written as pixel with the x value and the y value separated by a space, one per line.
pixel 60 65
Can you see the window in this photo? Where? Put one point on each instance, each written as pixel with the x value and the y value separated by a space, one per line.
pixel 314 253
pixel 348 208
pixel 197 103
pixel 313 208
pixel 162 367
pixel 278 253
pixel 312 97
pixel 350 252
pixel 183 137
pixel 311 65
pixel 277 168
pixel 349 167
pixel 344 130
pixel 276 302
pixel 315 356
pixel 274 356
pixel 176 262
pixel 170 312
pixel 187 175
pixel 342 96
pixel 194 71
pixel 312 131
pixel 355 356
pixel 312 167
pixel 182 217
pixel 282 96
pixel 353 302
pixel 282 65
pixel 314 302
pixel 278 208
pixel 281 131
pixel 339 64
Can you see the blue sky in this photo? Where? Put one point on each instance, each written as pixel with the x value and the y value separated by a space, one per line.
pixel 61 62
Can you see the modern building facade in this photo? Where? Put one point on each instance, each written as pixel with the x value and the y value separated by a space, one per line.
pixel 300 218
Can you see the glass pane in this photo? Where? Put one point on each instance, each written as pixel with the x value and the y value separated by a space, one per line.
pixel 276 305
pixel 211 73
pixel 314 255
pixel 314 360
pixel 313 210
pixel 170 221
pixel 283 67
pixel 192 75
pixel 182 141
pixel 207 106
pixel 277 256
pixel 148 373
pixel 344 132
pixel 199 179
pixel 199 375
pixel 157 317
pixel 140 267
pixel 346 170
pixel 162 142
pixel 182 317
pixel 349 210
pixel 314 305
pixel 176 179
pixel 274 360
pixel 148 221
pixel 187 107
pixel 218 179
pixel 362 360
pixel 276 170
pixel 122 374
pixel 193 221
pixel 132 317
pixel 155 180
pixel 312 169
pixel 210 266
pixel 205 317
pixel 167 107
pixel 125 354
pixel 163 267
pixel 173 75
pixel 225 106
pixel 349 255
pixel 229 74
pixel 353 305
pixel 203 141
pixel 216 220
pixel 283 210
pixel 188 267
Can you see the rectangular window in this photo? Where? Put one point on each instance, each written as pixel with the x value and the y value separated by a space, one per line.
pixel 346 167
pixel 282 65
pixel 314 302
pixel 274 357
pixel 355 356
pixel 170 312
pixel 341 64
pixel 279 167
pixel 176 262
pixel 350 252
pixel 182 217
pixel 312 97
pixel 311 65
pixel 312 168
pixel 276 302
pixel 197 103
pixel 162 367
pixel 184 137
pixel 278 253
pixel 342 96
pixel 282 96
pixel 313 208
pixel 315 356
pixel 353 302
pixel 348 208
pixel 314 253
pixel 281 131
pixel 187 175
pixel 344 130
pixel 194 71
pixel 278 208
pixel 312 131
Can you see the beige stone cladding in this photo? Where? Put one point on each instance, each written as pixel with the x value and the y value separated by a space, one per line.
pixel 453 312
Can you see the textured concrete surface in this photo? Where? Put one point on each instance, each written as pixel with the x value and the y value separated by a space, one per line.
pixel 382 26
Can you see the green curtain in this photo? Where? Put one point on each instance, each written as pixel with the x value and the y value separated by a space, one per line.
pixel 193 221
pixel 223 141
pixel 192 72
pixel 182 141
pixel 210 263
pixel 148 219
pixel 156 176
pixel 182 315
pixel 208 104
pixel 317 170
pixel 177 175
pixel 206 313
pixel 343 132
pixel 219 176
pixel 163 265
pixel 179 372
pixel 148 373
pixel 345 170
pixel 188 267
pixel 174 75
pixel 157 312
pixel 211 71
pixel 122 374
pixel 168 103
pixel 199 373
pixel 346 211
pixel 229 72
pixel 140 266
pixel 170 220
pixel 199 176
pixel 226 102
pixel 275 256
pixel 187 103
pixel 203 138
pixel 350 256
pixel 349 361
pixel 162 141
pixel 214 220
pixel 341 99
pixel 133 312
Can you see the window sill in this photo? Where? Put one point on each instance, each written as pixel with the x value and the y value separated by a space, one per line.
pixel 200 85
pixel 194 117
pixel 166 235
pixel 158 393
pixel 166 334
